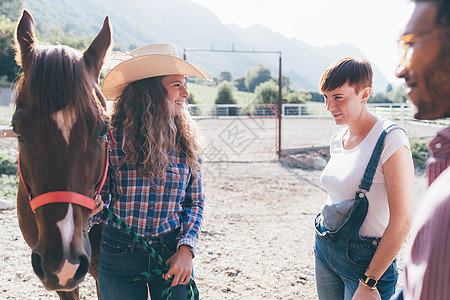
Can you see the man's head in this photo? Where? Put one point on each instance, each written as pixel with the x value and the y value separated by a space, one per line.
pixel 425 58
pixel 357 72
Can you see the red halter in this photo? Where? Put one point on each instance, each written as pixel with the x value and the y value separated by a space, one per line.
pixel 66 196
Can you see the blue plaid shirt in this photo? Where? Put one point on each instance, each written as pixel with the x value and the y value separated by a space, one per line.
pixel 152 208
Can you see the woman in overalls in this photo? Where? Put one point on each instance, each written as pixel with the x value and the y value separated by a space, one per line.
pixel 363 223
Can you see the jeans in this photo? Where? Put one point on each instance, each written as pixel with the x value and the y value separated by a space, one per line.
pixel 339 263
pixel 121 258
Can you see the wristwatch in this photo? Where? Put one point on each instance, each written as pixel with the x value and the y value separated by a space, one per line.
pixel 368 281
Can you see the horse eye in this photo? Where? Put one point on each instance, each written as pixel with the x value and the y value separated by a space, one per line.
pixel 14 129
pixel 104 130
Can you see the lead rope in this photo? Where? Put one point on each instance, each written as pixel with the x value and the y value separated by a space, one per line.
pixel 191 287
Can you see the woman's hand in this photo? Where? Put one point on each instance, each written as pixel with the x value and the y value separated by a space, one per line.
pixel 366 293
pixel 180 266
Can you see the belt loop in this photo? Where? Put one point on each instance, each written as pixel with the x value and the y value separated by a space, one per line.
pixel 161 240
pixel 347 243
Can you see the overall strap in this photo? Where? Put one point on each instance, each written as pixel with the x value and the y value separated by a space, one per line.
pixel 366 181
pixel 361 203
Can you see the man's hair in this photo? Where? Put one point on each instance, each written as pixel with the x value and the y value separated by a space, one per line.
pixel 356 71
pixel 443 12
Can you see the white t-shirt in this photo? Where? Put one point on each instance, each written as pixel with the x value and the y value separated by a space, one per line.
pixel 345 169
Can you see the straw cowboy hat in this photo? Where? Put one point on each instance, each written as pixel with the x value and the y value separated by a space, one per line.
pixel 148 61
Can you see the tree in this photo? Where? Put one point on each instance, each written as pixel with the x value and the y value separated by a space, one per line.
pixel 379 98
pixel 256 76
pixel 397 95
pixel 225 96
pixel 316 96
pixel 239 83
pixel 68 38
pixel 298 97
pixel 191 99
pixel 9 68
pixel 11 9
pixel 267 93
pixel 225 93
pixel 225 76
pixel 286 82
pixel 389 88
pixel 195 110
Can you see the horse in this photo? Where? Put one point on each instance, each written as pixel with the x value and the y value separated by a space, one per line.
pixel 61 123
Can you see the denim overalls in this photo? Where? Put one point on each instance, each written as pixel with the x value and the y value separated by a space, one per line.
pixel 342 256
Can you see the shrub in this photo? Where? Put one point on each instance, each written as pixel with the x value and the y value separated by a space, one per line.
pixel 8 185
pixel 420 154
pixel 7 166
pixel 225 95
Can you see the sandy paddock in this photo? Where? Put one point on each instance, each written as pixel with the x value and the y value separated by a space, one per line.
pixel 257 236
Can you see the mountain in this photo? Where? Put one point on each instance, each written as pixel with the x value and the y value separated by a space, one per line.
pixel 189 25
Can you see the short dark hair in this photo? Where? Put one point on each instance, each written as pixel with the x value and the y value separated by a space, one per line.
pixel 356 71
pixel 443 11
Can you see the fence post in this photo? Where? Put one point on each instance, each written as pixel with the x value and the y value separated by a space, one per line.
pixel 280 107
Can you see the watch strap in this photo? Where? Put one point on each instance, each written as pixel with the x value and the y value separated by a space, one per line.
pixel 368 281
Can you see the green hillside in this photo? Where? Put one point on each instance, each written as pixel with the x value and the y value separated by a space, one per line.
pixel 190 26
pixel 206 95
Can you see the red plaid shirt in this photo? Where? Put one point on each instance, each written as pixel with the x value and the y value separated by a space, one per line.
pixel 152 208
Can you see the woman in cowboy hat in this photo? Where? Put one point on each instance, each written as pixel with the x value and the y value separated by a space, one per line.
pixel 155 179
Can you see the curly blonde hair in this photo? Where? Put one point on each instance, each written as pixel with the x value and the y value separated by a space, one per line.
pixel 150 129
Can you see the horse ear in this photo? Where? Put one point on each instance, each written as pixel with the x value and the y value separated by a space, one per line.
pixel 25 38
pixel 95 55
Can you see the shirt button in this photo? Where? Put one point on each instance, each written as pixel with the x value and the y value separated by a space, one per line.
pixel 374 243
pixel 361 195
pixel 438 145
pixel 150 207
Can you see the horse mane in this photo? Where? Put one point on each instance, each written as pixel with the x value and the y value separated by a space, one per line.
pixel 57 78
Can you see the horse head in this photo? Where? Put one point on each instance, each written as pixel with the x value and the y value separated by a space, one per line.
pixel 61 124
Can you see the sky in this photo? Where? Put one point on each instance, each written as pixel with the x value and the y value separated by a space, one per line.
pixel 373 26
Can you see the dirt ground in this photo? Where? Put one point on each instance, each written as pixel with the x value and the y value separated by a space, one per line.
pixel 256 240
pixel 257 235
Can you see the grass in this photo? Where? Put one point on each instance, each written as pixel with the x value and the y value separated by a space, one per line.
pixel 8 186
pixel 8 166
pixel 9 181
pixel 6 113
pixel 206 95
pixel 419 151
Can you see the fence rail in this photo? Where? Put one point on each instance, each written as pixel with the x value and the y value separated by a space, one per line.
pixel 234 110
pixel 251 132
pixel 400 112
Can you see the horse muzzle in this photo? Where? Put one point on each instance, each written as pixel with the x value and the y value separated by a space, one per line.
pixel 66 278
pixel 62 260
